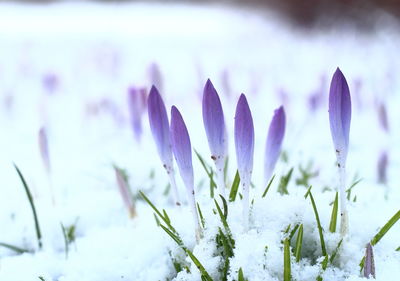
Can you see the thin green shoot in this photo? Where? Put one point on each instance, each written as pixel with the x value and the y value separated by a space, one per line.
pixel 284 181
pixel 66 242
pixel 209 172
pixel 16 249
pixel 31 202
pixel 235 187
pixel 382 233
pixel 398 249
pixel 335 208
pixel 268 186
pixel 385 228
pixel 293 232
pixel 320 230
pixel 240 275
pixel 332 258
pixel 299 243
pixel 286 261
pixel 348 191
pixel 202 221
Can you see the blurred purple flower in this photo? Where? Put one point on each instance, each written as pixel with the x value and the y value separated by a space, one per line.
pixel 214 123
pixel 137 106
pixel 383 117
pixel 44 148
pixel 340 115
pixel 244 144
pixel 275 136
pixel 50 82
pixel 383 162
pixel 369 266
pixel 159 125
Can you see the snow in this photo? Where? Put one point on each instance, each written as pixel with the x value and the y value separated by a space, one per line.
pixel 98 51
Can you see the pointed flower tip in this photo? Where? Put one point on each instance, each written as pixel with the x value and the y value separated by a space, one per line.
pixel 369 266
pixel 214 123
pixel 181 147
pixel 275 137
pixel 244 137
pixel 159 126
pixel 340 114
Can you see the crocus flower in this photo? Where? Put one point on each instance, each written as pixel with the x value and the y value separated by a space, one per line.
pixel 44 148
pixel 183 155
pixel 122 182
pixel 339 118
pixel 340 115
pixel 213 119
pixel 275 136
pixel 159 125
pixel 383 161
pixel 244 144
pixel 369 265
pixel 136 105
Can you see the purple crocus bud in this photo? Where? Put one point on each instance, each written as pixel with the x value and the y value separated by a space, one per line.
pixel 340 115
pixel 214 123
pixel 383 161
pixel 159 125
pixel 244 144
pixel 273 146
pixel 183 156
pixel 339 118
pixel 160 129
pixel 182 147
pixel 369 266
pixel 137 105
pixel 44 148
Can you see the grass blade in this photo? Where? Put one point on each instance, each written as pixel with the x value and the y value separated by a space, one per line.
pixel 66 242
pixel 336 251
pixel 320 230
pixel 30 198
pixel 299 243
pixel 240 275
pixel 235 187
pixel 385 228
pixel 332 225
pixel 286 261
pixel 14 248
pixel 209 172
pixel 268 186
pixel 283 184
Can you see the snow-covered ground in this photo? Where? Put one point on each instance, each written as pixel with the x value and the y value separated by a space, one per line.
pixel 67 68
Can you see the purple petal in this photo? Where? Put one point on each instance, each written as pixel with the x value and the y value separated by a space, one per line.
pixel 369 266
pixel 182 147
pixel 160 127
pixel 44 148
pixel 213 119
pixel 244 138
pixel 275 136
pixel 340 115
pixel 137 105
